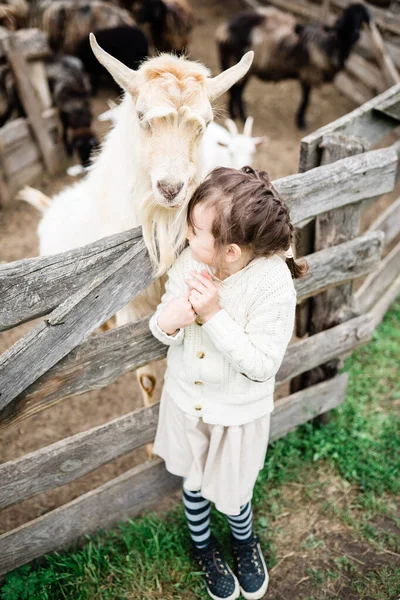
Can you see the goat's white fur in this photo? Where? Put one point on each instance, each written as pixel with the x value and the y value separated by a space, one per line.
pixel 120 190
pixel 227 147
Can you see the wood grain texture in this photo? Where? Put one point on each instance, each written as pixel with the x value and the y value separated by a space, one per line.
pixel 302 406
pixel 92 365
pixel 30 102
pixel 32 287
pixel 68 459
pixel 124 349
pixel 342 263
pixel 344 182
pixel 135 490
pixel 69 324
pixel 119 499
pixel 379 281
pixel 324 346
pixel 366 121
pixel 383 304
pixel 388 222
pixel 368 73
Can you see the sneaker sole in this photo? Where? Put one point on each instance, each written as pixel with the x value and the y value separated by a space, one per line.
pixel 234 595
pixel 261 591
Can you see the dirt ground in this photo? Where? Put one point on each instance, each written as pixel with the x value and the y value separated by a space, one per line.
pixel 273 107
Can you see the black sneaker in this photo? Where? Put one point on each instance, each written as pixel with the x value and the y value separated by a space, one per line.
pixel 221 583
pixel 250 567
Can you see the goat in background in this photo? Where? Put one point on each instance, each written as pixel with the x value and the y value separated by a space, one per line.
pixel 227 147
pixel 170 21
pixel 285 49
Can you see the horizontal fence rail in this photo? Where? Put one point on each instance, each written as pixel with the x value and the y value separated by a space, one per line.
pixel 127 495
pixel 371 121
pixel 102 359
pixel 32 287
pixel 69 324
pixel 78 290
pixel 105 357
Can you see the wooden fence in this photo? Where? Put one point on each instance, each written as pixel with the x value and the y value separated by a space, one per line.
pixel 28 145
pixel 80 289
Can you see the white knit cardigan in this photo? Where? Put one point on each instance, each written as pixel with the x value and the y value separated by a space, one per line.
pixel 224 370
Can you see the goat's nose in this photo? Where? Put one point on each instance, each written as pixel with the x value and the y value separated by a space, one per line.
pixel 169 190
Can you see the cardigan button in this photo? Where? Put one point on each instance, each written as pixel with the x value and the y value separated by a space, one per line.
pixel 200 355
pixel 198 407
pixel 198 383
pixel 199 320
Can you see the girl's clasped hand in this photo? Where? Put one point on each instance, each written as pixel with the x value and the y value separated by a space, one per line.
pixel 200 300
pixel 203 294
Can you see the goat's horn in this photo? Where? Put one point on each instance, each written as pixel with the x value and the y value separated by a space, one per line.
pixel 248 127
pixel 122 74
pixel 231 126
pixel 222 82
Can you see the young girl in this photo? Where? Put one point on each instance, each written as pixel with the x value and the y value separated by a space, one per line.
pixel 227 315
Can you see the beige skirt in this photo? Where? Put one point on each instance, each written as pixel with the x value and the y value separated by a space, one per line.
pixel 222 462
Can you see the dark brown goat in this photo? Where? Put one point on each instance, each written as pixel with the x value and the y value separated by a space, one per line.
pixel 285 49
pixel 170 21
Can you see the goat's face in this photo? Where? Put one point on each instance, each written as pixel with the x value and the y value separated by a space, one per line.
pixel 172 102
pixel 171 124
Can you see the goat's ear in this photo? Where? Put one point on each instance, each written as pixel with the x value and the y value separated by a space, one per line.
pixel 259 141
pixel 123 75
pixel 222 82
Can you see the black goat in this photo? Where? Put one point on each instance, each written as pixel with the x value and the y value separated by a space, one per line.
pixel 171 22
pixel 70 89
pixel 127 44
pixel 285 49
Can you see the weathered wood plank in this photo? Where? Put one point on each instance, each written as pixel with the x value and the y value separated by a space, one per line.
pixel 30 103
pixel 339 264
pixel 68 459
pixel 335 305
pixel 69 324
pixel 368 73
pixel 105 357
pixel 307 195
pixel 32 287
pixel 388 222
pixel 353 89
pixel 383 57
pixel 366 121
pixel 92 365
pixel 130 493
pixel 32 43
pixel 344 182
pixel 302 406
pixel 380 308
pixel 377 282
pixel 321 347
pixel 119 499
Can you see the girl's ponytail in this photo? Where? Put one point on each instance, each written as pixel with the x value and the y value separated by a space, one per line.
pixel 297 269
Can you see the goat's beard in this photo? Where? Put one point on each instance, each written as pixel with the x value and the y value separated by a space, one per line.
pixel 164 233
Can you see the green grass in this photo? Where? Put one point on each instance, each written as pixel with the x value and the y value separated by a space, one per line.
pixel 147 558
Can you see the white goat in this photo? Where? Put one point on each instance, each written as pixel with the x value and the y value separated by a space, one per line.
pixel 146 171
pixel 227 147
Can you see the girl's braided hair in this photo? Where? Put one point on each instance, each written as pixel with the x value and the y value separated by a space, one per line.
pixel 249 213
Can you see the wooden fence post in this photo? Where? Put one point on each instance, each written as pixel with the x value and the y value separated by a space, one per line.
pixel 336 305
pixel 30 103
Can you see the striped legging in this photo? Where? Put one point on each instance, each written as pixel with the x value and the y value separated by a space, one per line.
pixel 197 511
